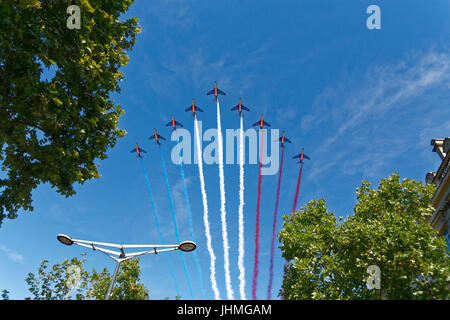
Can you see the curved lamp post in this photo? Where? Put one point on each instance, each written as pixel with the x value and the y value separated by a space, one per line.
pixel 120 256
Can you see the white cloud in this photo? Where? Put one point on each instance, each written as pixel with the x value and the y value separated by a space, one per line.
pixel 390 87
pixel 11 254
pixel 366 123
pixel 194 65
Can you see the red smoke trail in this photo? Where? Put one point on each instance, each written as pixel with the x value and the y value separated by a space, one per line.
pixel 255 268
pixel 269 289
pixel 294 207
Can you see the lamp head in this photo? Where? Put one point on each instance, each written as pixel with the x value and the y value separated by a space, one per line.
pixel 187 246
pixel 64 239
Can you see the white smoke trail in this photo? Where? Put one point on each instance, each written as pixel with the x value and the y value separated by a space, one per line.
pixel 205 214
pixel 222 208
pixel 241 214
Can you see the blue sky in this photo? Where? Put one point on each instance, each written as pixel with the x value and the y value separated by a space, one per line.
pixel 363 103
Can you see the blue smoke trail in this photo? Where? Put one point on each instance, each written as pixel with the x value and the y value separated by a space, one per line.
pixel 159 228
pixel 191 229
pixel 174 220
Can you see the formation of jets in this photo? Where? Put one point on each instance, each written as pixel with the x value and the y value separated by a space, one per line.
pixel 283 140
pixel 301 156
pixel 240 108
pixel 156 136
pixel 261 123
pixel 216 91
pixel 174 124
pixel 138 151
pixel 194 109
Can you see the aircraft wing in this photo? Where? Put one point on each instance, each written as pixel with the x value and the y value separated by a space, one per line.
pixel 161 137
pixel 134 150
pixel 220 92
pixel 152 137
pixel 235 108
pixel 210 92
pixel 297 156
pixel 245 108
pixel 287 140
pixel 169 124
pixel 178 124
pixel 267 124
pixel 188 109
pixel 198 109
pixel 142 150
pixel 256 124
pixel 306 157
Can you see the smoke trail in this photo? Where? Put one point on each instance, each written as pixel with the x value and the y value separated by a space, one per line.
pixel 294 206
pixel 255 267
pixel 222 207
pixel 191 229
pixel 205 214
pixel 175 221
pixel 159 228
pixel 269 289
pixel 241 214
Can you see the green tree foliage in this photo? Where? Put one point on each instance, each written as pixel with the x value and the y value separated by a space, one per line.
pixel 176 298
pixel 329 257
pixel 56 283
pixel 5 294
pixel 52 283
pixel 52 130
pixel 127 285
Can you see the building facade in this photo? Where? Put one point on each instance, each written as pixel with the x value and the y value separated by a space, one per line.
pixel 441 198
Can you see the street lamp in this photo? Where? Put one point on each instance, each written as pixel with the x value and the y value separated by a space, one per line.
pixel 64 239
pixel 120 256
pixel 187 246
